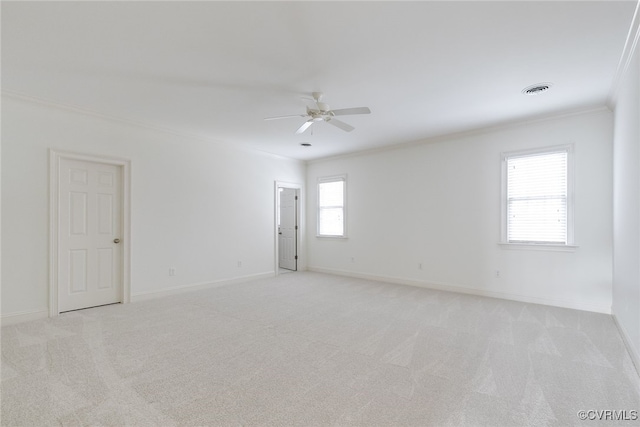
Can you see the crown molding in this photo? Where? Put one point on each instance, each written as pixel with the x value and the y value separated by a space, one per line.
pixel 630 46
pixel 465 134
pixel 136 123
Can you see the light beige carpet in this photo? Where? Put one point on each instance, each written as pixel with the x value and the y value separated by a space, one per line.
pixel 309 349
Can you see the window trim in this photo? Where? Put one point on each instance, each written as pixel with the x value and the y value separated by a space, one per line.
pixel 570 245
pixel 325 179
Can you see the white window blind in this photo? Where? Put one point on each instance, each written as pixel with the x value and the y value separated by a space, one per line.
pixel 331 207
pixel 537 188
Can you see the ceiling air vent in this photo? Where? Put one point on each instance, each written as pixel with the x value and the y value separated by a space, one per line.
pixel 536 89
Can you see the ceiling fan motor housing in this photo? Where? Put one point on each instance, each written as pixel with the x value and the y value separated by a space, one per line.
pixel 324 108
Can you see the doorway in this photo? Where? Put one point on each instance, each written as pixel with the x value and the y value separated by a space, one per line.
pixel 287 227
pixel 89 225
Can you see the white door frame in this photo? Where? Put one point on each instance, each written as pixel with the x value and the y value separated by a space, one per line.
pixel 298 187
pixel 55 156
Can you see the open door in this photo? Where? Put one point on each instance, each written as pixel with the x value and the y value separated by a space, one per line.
pixel 288 229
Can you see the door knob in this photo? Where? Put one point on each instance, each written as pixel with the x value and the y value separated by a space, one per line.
pixel 116 240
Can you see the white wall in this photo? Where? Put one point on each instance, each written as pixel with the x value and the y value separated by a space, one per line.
pixel 626 272
pixel 198 206
pixel 438 204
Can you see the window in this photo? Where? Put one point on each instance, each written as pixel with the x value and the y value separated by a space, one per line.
pixel 331 201
pixel 537 197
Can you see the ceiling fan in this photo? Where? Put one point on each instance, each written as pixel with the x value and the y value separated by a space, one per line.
pixel 321 112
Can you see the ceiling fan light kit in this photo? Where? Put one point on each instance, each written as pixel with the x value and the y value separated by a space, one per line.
pixel 321 112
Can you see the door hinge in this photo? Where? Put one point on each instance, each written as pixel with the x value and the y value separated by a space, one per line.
pixel 296 197
pixel 296 227
pixel 296 256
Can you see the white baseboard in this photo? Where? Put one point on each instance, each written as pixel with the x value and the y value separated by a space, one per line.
pixel 633 352
pixel 23 316
pixel 142 296
pixel 465 290
pixel 27 316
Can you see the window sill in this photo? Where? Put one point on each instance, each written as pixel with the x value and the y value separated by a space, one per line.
pixel 538 247
pixel 320 236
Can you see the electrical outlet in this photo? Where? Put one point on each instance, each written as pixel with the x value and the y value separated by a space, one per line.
pixel 419 266
pixel 172 271
pixel 239 264
pixel 353 259
pixel 497 274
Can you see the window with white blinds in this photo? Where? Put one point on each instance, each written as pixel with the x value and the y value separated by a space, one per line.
pixel 331 206
pixel 537 197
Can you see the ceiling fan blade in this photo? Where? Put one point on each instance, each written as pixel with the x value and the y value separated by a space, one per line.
pixel 285 117
pixel 342 125
pixel 304 126
pixel 348 111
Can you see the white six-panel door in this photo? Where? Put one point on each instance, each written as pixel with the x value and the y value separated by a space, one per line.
pixel 287 232
pixel 89 233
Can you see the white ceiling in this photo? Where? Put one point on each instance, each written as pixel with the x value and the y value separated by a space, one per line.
pixel 216 69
